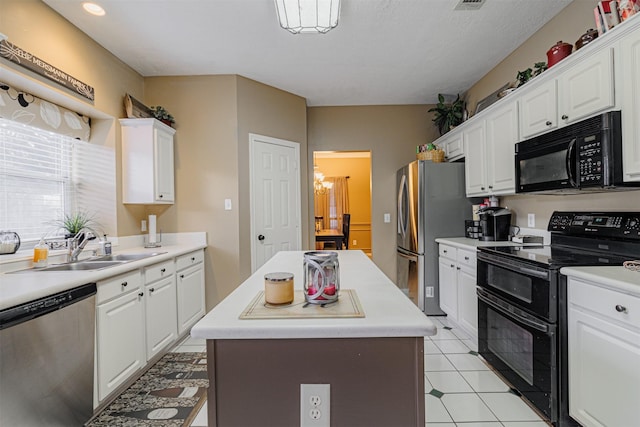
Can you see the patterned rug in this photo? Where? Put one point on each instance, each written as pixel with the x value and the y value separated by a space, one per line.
pixel 169 394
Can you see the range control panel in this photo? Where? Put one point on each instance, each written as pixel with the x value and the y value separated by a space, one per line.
pixel 617 225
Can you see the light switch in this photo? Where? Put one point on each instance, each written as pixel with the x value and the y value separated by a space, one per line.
pixel 227 204
pixel 387 217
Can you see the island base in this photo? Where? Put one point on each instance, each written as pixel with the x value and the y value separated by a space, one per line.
pixel 374 381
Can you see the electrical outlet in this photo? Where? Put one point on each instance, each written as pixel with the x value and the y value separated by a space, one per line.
pixel 314 405
pixel 227 204
pixel 531 220
pixel 387 218
pixel 429 292
pixel 355 242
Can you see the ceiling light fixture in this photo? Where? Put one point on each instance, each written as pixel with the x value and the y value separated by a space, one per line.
pixel 320 186
pixel 308 16
pixel 93 8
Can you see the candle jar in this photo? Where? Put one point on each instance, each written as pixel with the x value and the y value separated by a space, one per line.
pixel 321 277
pixel 278 288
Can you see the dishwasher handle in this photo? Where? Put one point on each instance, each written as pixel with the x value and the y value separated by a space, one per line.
pixel 39 307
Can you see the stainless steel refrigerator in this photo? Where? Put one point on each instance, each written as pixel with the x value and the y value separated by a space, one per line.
pixel 431 204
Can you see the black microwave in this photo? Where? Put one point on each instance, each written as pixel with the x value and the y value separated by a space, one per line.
pixel 584 156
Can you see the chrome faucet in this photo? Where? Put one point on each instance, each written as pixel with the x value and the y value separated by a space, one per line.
pixel 76 244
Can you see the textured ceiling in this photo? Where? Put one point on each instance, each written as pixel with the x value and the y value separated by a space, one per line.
pixel 382 52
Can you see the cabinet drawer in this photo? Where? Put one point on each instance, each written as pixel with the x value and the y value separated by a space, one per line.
pixel 615 305
pixel 466 258
pixel 187 260
pixel 447 251
pixel 159 271
pixel 118 285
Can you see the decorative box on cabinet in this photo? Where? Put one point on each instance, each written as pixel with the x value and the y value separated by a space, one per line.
pixel 120 331
pixel 190 289
pixel 147 162
pixel 457 282
pixel 161 309
pixel 578 92
pixel 604 355
pixel 489 145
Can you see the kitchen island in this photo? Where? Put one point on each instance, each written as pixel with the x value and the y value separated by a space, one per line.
pixel 373 364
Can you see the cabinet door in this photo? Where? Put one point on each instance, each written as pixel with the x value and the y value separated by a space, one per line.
pixel 454 147
pixel 604 379
pixel 475 147
pixel 120 341
pixel 538 110
pixel 161 314
pixel 448 288
pixel 163 166
pixel 502 135
pixel 190 285
pixel 587 87
pixel 630 92
pixel 468 302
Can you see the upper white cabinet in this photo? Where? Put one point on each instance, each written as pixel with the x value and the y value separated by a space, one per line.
pixel 489 145
pixel 630 87
pixel 453 145
pixel 584 89
pixel 147 162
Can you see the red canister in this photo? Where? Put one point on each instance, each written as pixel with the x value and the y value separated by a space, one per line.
pixel 558 52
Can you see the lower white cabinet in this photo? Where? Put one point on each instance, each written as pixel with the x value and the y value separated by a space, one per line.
pixel 160 311
pixel 120 331
pixel 190 289
pixel 604 355
pixel 457 285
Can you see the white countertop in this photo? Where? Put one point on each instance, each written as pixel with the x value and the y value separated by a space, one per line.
pixel 18 288
pixel 472 244
pixel 617 278
pixel 388 312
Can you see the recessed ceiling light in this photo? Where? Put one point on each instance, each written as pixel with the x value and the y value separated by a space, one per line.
pixel 93 9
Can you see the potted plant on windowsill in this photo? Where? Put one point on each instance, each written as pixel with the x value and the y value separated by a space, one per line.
pixel 447 116
pixel 163 115
pixel 74 223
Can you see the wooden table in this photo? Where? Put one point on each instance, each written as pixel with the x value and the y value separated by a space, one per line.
pixel 330 235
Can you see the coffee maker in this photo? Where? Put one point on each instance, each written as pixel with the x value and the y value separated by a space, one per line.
pixel 495 223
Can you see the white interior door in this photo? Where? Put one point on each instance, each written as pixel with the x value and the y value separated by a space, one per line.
pixel 275 198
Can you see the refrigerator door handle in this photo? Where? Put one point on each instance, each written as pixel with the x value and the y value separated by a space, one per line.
pixel 402 191
pixel 408 255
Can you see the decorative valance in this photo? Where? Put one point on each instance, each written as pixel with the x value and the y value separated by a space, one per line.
pixel 25 108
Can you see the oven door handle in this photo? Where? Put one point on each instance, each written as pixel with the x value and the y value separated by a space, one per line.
pixel 508 310
pixel 542 274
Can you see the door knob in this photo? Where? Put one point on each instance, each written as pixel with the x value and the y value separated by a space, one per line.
pixel 260 237
pixel 548 123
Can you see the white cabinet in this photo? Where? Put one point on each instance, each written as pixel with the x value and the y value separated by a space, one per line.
pixel 452 145
pixel 120 331
pixel 147 162
pixel 457 285
pixel 630 89
pixel 161 310
pixel 489 145
pixel 190 289
pixel 604 355
pixel 580 91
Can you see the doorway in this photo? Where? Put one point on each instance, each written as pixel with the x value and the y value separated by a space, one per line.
pixel 353 168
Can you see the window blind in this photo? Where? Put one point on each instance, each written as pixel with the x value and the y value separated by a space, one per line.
pixel 44 175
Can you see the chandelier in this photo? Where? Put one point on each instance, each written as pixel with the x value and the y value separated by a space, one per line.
pixel 320 186
pixel 308 16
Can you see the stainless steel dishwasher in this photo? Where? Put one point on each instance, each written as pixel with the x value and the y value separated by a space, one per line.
pixel 46 360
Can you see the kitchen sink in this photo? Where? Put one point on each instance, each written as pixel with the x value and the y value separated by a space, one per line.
pixel 126 257
pixel 94 263
pixel 80 266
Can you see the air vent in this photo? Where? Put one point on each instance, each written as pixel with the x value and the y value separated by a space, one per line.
pixel 469 4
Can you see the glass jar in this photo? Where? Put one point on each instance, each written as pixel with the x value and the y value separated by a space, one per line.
pixel 321 277
pixel 278 288
pixel 9 242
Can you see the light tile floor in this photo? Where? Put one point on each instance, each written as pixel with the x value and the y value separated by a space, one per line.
pixel 460 390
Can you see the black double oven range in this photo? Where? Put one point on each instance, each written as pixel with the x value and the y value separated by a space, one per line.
pixel 522 301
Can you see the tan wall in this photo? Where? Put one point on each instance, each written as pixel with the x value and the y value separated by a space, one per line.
pixel 36 28
pixel 359 172
pixel 391 133
pixel 567 26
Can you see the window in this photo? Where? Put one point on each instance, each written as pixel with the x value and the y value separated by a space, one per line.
pixel 44 175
